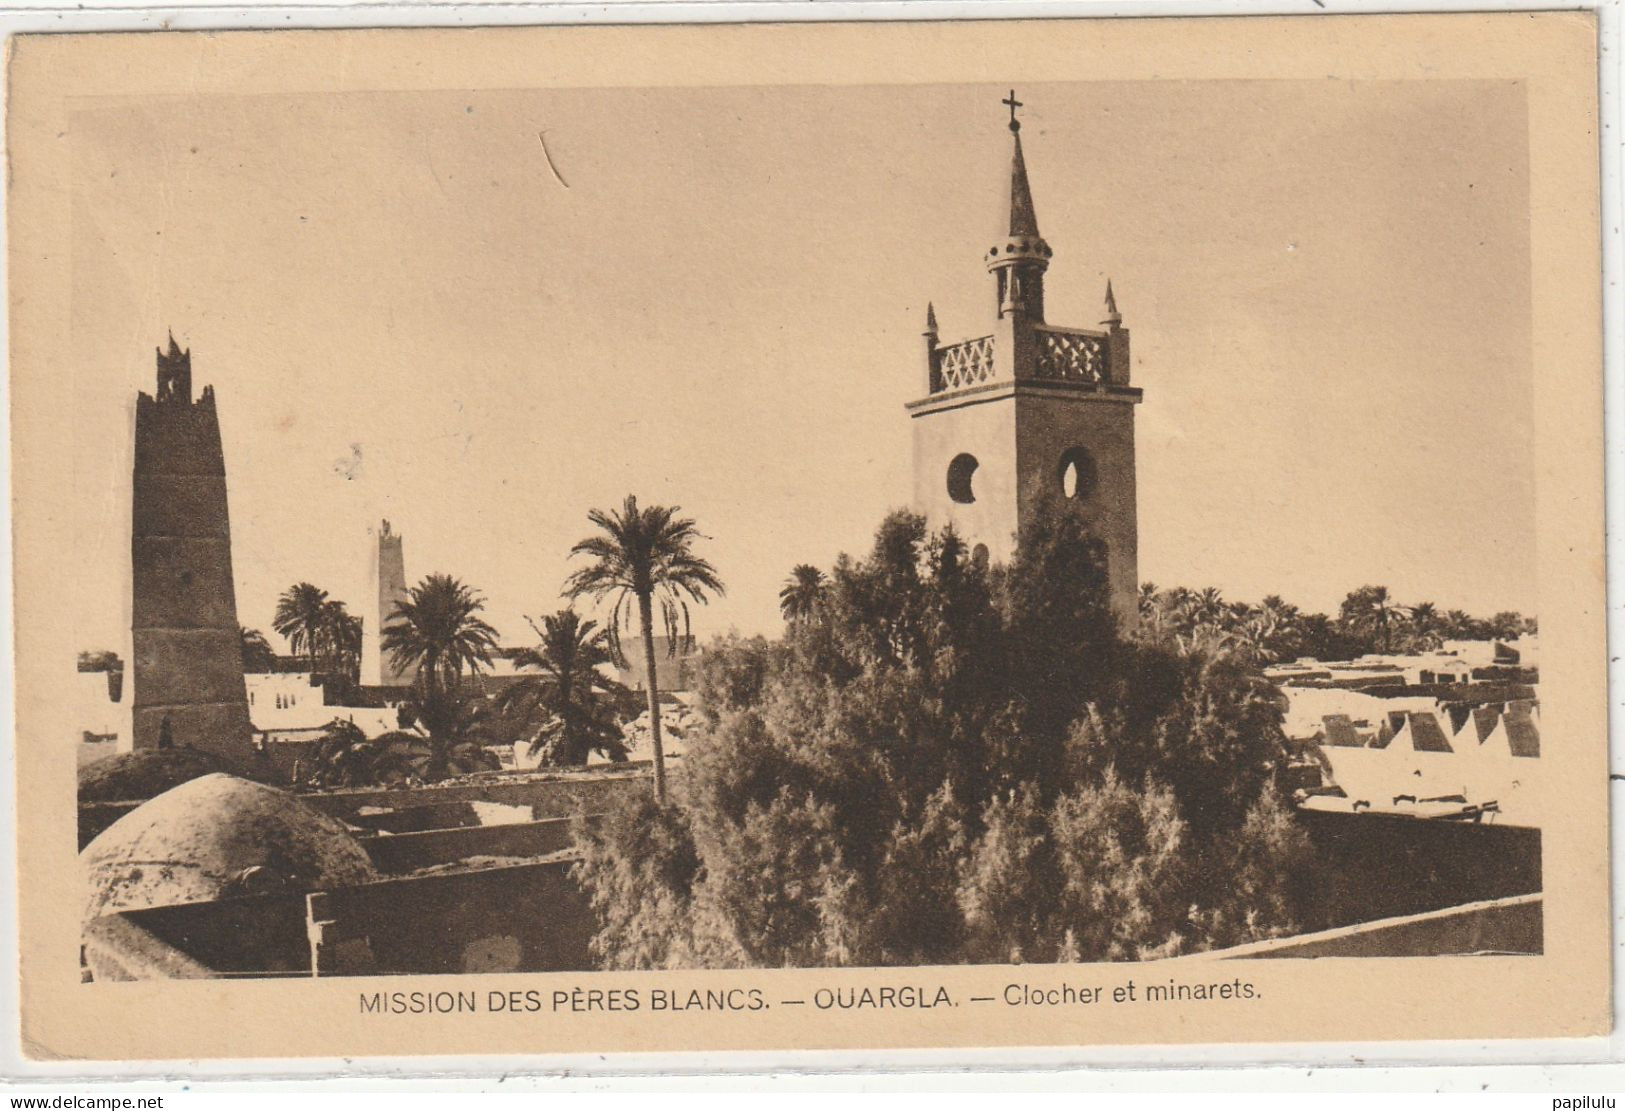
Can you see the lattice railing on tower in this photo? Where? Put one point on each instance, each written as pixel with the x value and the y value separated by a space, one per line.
pixel 1071 357
pixel 965 364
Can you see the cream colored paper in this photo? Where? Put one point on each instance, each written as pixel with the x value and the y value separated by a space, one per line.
pixel 370 117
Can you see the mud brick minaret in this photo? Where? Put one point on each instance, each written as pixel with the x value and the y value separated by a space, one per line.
pixel 1031 413
pixel 188 657
pixel 379 667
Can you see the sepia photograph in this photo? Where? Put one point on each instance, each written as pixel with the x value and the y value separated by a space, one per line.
pixel 618 526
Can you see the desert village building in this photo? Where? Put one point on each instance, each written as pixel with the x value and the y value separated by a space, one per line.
pixel 1451 734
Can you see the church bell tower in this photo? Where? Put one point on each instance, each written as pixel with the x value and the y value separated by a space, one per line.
pixel 1031 413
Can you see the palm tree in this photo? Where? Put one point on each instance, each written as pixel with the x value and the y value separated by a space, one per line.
pixel 301 617
pixel 445 733
pixel 1426 633
pixel 569 707
pixel 341 635
pixel 1177 609
pixel 437 630
pixel 1371 609
pixel 1209 606
pixel 1148 599
pixel 1458 625
pixel 1280 625
pixel 1278 608
pixel 258 655
pixel 644 555
pixel 802 592
pixel 343 758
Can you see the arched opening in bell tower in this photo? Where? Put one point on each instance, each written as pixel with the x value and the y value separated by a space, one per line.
pixel 1077 473
pixel 961 472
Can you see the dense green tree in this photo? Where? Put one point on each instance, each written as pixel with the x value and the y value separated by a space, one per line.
pixel 1121 859
pixel 736 671
pixel 1007 883
pixel 1059 638
pixel 317 627
pixel 1262 881
pixel 1507 625
pixel 955 762
pixel 641 867
pixel 1206 725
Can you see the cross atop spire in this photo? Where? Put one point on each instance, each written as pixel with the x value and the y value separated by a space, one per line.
pixel 1015 124
pixel 1019 257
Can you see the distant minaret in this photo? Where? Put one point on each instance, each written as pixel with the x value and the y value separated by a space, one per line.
pixel 1033 413
pixel 378 668
pixel 187 666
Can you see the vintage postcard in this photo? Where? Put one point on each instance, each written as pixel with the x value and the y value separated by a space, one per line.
pixel 1054 533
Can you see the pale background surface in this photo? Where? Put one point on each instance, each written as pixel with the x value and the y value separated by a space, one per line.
pixel 405 315
pixel 1562 993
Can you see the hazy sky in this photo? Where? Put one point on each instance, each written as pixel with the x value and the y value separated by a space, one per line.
pixel 406 315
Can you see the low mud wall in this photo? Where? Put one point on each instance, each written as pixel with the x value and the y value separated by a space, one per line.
pixel 524 918
pixel 256 935
pixel 1386 866
pixel 394 854
pixel 561 797
pixel 1500 926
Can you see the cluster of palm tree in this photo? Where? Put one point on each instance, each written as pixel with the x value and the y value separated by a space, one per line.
pixel 640 562
pixel 346 757
pixel 437 629
pixel 571 707
pixel 1369 620
pixel 446 725
pixel 321 629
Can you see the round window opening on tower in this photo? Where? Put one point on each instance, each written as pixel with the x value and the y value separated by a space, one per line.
pixel 960 472
pixel 1077 473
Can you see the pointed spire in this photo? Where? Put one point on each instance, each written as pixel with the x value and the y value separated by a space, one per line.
pixel 1019 259
pixel 930 319
pixel 1113 317
pixel 174 348
pixel 1023 220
